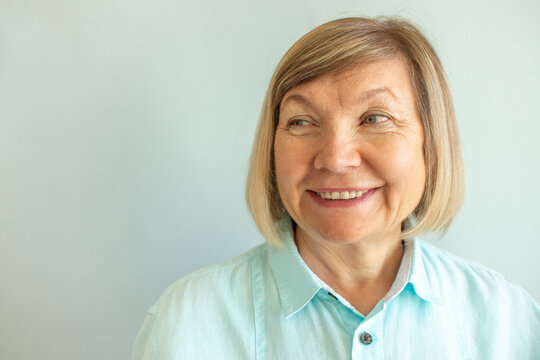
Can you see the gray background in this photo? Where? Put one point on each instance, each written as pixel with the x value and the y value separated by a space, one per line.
pixel 125 130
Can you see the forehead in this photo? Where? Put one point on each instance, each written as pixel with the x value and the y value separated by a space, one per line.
pixel 387 79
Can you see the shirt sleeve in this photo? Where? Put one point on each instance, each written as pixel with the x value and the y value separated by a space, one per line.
pixel 526 325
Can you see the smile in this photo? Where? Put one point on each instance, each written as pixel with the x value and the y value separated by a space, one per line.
pixel 341 195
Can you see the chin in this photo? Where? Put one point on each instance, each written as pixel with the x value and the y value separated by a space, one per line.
pixel 342 236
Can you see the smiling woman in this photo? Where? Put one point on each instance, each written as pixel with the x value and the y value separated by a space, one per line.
pixel 343 145
pixel 356 155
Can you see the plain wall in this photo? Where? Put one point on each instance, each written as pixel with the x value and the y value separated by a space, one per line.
pixel 125 131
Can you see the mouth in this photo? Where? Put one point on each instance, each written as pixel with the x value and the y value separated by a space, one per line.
pixel 342 198
pixel 341 195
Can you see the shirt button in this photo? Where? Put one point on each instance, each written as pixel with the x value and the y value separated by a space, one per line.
pixel 365 338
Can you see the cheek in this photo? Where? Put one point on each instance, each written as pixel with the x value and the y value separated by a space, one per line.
pixel 402 165
pixel 282 162
pixel 287 166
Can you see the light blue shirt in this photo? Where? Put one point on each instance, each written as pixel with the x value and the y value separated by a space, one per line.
pixel 267 304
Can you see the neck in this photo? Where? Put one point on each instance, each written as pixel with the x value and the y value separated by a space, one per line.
pixel 362 271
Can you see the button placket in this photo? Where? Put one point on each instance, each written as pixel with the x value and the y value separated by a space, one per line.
pixel 367 340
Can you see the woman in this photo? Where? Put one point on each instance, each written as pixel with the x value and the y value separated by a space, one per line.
pixel 356 154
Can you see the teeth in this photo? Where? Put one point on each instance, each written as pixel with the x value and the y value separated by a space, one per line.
pixel 343 195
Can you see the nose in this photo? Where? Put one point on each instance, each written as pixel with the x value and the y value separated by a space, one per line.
pixel 338 152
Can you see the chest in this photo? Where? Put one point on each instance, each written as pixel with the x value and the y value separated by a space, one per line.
pixel 325 329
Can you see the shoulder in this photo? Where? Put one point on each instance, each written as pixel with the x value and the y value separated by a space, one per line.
pixel 501 318
pixel 191 317
pixel 445 263
pixel 213 281
pixel 476 291
pixel 457 275
pixel 449 269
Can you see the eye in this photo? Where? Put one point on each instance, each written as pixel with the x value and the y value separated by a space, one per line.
pixel 302 126
pixel 372 119
pixel 299 122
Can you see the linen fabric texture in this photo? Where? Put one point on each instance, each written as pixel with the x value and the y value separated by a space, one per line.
pixel 267 304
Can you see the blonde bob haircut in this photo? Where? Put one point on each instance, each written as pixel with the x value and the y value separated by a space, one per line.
pixel 334 47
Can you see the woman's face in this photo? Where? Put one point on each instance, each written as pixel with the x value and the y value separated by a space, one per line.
pixel 349 153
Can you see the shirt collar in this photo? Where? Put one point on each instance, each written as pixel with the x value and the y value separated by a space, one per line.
pixel 423 280
pixel 297 284
pixel 413 271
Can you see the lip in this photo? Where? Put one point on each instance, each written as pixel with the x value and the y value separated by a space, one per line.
pixel 341 203
pixel 340 189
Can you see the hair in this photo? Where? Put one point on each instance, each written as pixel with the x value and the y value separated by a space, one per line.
pixel 334 47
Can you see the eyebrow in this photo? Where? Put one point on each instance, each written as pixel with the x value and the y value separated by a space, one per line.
pixel 368 95
pixel 374 92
